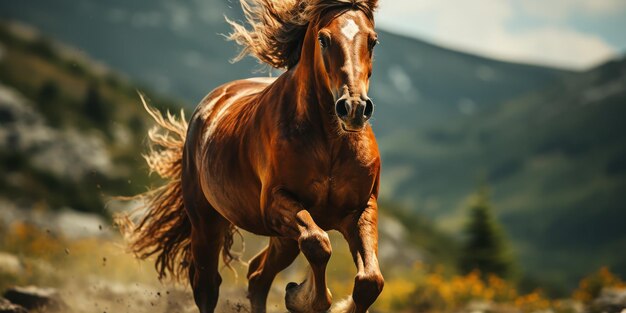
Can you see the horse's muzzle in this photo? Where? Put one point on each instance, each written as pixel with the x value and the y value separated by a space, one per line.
pixel 354 113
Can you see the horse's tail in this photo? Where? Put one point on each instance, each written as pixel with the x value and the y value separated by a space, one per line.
pixel 163 228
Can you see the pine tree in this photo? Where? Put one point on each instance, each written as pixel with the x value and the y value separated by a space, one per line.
pixel 485 248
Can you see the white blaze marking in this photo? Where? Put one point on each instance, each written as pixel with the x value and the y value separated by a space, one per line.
pixel 350 29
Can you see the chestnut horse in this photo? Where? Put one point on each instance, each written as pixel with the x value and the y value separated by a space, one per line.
pixel 289 158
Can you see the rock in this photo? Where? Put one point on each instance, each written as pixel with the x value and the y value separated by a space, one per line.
pixel 65 222
pixel 34 298
pixel 68 154
pixel 10 264
pixel 8 307
pixel 78 225
pixel 610 300
pixel 571 306
pixel 393 247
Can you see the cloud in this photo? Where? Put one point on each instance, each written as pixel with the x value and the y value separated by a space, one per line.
pixel 483 27
pixel 562 9
pixel 554 46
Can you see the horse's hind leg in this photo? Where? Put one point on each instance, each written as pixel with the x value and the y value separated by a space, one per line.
pixel 207 239
pixel 263 268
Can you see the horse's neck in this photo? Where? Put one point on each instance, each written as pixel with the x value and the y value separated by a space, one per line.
pixel 313 98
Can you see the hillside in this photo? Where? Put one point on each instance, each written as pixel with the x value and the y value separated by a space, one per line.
pixel 70 131
pixel 555 160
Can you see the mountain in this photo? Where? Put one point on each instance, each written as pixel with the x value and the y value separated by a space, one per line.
pixel 555 159
pixel 176 48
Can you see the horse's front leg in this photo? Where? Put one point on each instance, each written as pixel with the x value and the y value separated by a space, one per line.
pixel 361 232
pixel 290 219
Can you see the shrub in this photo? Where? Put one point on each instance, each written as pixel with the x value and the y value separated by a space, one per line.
pixel 590 287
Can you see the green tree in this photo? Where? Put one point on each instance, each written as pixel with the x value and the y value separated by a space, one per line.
pixel 485 247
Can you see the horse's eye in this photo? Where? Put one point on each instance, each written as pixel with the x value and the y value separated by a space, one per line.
pixel 324 41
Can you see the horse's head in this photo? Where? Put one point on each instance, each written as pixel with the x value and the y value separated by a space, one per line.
pixel 337 35
pixel 346 39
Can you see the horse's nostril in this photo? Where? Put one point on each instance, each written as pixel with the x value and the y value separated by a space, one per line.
pixel 342 108
pixel 369 109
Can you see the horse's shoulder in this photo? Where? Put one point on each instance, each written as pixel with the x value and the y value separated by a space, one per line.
pixel 239 87
pixel 249 85
pixel 258 80
pixel 230 92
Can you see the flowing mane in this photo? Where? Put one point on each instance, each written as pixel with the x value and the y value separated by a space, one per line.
pixel 278 27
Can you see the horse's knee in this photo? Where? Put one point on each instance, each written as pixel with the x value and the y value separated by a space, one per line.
pixel 367 287
pixel 316 247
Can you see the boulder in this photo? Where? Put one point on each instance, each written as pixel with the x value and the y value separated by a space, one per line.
pixel 610 300
pixel 8 307
pixel 10 264
pixel 34 298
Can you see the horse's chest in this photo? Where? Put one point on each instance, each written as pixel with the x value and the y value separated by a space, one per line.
pixel 337 189
pixel 328 180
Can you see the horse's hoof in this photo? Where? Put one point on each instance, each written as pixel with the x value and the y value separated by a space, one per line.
pixel 291 295
pixel 292 300
pixel 299 299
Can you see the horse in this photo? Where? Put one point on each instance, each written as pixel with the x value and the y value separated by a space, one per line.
pixel 290 158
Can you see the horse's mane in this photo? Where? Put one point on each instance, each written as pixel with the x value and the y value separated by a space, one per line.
pixel 278 27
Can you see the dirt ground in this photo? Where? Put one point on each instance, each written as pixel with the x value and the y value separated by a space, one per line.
pixel 94 273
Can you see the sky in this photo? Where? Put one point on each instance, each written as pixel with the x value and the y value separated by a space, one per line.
pixel 573 34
